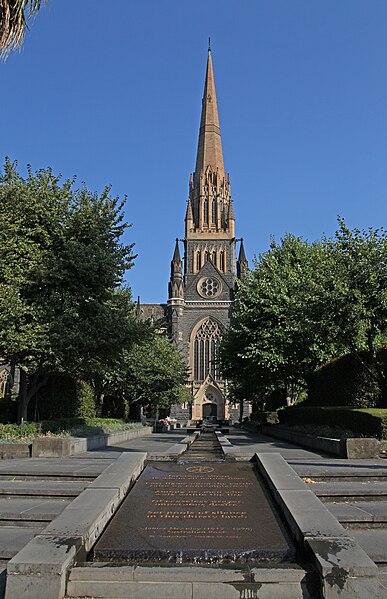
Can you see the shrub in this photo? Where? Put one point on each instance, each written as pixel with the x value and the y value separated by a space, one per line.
pixel 266 417
pixel 76 427
pixel 365 422
pixel 85 400
pixel 344 381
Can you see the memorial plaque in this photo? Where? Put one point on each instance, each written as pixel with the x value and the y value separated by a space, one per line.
pixel 190 512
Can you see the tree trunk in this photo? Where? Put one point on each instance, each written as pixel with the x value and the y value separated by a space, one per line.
pixel 22 403
pixel 29 386
pixel 241 411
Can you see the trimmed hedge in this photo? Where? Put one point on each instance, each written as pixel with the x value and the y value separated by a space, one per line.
pixel 345 381
pixel 365 422
pixel 77 427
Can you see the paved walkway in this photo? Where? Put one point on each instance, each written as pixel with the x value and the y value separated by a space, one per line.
pixel 157 442
pixel 250 443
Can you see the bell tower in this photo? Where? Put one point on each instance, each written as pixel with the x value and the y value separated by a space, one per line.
pixel 201 296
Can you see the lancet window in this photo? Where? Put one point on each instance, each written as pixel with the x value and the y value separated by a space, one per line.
pixel 206 350
pixel 205 212
pixel 222 262
pixel 198 261
pixel 214 212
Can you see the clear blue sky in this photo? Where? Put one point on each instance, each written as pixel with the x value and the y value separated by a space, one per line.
pixel 111 92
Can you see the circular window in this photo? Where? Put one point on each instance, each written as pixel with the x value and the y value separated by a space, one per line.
pixel 209 287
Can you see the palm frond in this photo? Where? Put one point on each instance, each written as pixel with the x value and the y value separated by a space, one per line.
pixel 14 15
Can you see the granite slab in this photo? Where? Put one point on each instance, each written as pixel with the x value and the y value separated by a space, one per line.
pixel 196 512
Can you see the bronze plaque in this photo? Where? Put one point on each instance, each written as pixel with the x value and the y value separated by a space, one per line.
pixel 190 512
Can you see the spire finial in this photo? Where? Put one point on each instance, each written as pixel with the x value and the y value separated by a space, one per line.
pixel 209 44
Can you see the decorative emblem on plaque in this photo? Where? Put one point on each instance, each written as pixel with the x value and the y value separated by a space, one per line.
pixel 200 469
pixel 209 287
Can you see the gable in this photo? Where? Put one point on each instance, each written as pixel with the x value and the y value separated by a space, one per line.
pixel 208 271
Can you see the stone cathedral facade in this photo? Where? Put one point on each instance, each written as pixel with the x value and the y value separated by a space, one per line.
pixel 202 284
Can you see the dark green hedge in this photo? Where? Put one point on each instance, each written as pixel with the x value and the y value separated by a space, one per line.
pixel 366 422
pixel 62 397
pixel 345 381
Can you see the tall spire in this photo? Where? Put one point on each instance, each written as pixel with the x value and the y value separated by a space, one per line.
pixel 210 142
pixel 242 264
pixel 176 254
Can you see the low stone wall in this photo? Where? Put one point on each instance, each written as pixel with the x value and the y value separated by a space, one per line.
pixel 9 451
pixel 356 448
pixel 57 447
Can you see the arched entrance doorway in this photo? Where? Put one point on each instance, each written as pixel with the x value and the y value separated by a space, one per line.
pixel 210 409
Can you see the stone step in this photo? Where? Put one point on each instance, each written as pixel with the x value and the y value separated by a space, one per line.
pixel 108 581
pixel 52 469
pixel 30 509
pixel 13 539
pixel 46 477
pixel 383 576
pixel 367 512
pixel 338 467
pixel 41 489
pixel 374 543
pixel 369 488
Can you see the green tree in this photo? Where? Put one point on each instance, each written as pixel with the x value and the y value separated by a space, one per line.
pixel 61 262
pixel 304 304
pixel 278 331
pixel 14 16
pixel 155 374
pixel 360 292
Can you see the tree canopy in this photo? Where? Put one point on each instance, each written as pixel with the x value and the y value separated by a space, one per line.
pixel 302 304
pixel 63 305
pixel 62 261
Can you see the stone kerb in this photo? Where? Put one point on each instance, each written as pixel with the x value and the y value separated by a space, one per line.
pixel 355 448
pixel 40 568
pixel 57 447
pixel 346 571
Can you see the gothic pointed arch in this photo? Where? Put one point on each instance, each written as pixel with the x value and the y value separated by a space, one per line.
pixel 205 340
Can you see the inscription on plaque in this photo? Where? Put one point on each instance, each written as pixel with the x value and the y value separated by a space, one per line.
pixel 182 512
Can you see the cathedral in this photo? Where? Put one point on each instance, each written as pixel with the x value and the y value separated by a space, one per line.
pixel 202 284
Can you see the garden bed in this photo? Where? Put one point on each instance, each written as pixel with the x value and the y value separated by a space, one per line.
pixel 65 437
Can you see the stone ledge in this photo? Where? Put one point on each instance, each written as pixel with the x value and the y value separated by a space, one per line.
pixel 40 568
pixel 189 590
pixel 355 448
pixel 9 451
pixel 57 447
pixel 105 571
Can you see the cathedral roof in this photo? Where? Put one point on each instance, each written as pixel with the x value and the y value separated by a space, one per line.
pixel 210 143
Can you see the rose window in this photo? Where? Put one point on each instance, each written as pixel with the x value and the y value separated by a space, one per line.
pixel 209 287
